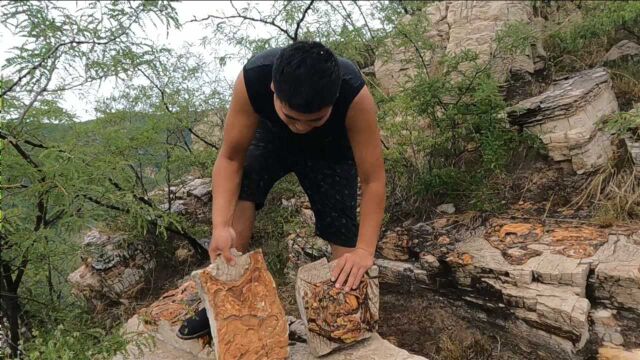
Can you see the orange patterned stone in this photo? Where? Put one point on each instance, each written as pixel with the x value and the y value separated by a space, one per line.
pixel 247 318
pixel 335 318
pixel 173 306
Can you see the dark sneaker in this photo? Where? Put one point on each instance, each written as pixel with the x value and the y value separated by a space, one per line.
pixel 195 326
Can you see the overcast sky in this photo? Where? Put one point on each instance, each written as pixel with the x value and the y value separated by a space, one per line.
pixel 82 103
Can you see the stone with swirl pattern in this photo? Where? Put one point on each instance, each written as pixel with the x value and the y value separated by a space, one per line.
pixel 247 318
pixel 335 318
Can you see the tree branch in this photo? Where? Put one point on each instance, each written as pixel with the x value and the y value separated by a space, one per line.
pixel 299 23
pixel 202 139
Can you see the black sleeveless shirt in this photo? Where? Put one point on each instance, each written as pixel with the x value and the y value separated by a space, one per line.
pixel 331 138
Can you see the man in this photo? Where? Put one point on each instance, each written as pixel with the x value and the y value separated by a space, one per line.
pixel 300 109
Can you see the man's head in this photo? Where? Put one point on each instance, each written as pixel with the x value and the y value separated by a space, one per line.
pixel 306 82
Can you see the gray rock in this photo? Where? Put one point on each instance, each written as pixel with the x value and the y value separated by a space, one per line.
pixel 565 118
pixel 446 208
pixel 623 50
pixel 373 348
pixel 455 26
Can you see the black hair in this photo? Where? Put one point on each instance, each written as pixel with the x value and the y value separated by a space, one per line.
pixel 306 76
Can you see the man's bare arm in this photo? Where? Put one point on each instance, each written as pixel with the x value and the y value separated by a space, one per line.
pixel 239 130
pixel 364 136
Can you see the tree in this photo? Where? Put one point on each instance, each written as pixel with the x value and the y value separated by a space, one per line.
pixel 52 187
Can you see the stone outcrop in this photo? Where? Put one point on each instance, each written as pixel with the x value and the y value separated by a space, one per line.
pixel 113 269
pixel 191 197
pixel 247 319
pixel 335 318
pixel 565 118
pixel 624 50
pixel 455 26
pixel 553 286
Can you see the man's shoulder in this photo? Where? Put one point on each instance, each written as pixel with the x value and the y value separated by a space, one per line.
pixel 264 58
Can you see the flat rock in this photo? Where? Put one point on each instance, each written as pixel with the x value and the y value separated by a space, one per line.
pixel 609 352
pixel 335 318
pixel 247 318
pixel 373 348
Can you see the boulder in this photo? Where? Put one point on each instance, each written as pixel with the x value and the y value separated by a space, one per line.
pixel 566 115
pixel 624 50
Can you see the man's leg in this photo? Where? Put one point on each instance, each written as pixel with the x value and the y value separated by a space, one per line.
pixel 332 186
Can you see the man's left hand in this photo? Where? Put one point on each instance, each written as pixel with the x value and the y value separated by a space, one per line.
pixel 351 267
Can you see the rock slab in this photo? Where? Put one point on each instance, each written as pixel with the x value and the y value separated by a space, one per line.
pixel 335 318
pixel 247 318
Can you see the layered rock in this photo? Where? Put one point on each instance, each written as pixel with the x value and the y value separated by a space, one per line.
pixel 559 285
pixel 454 26
pixel 335 318
pixel 566 115
pixel 191 197
pixel 247 319
pixel 113 269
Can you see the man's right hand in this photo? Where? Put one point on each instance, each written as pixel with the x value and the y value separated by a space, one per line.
pixel 222 240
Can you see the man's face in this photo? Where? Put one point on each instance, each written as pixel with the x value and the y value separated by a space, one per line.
pixel 298 122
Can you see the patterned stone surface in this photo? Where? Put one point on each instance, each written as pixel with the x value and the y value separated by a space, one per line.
pixel 565 118
pixel 519 242
pixel 335 318
pixel 246 316
pixel 394 245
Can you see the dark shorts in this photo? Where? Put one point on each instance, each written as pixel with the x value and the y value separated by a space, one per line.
pixel 329 179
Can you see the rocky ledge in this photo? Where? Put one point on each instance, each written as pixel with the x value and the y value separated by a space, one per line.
pixel 556 288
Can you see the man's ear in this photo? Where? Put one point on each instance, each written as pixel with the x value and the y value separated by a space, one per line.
pixel 272 87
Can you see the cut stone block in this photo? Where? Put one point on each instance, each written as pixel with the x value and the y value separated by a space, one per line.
pixel 335 318
pixel 247 318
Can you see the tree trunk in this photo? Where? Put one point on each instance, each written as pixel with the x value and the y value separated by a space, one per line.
pixel 11 306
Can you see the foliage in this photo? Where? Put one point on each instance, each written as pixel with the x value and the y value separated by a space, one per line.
pixel 584 36
pixel 60 175
pixel 623 123
pixel 600 19
pixel 447 130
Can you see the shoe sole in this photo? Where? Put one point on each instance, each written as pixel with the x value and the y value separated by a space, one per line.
pixel 194 336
